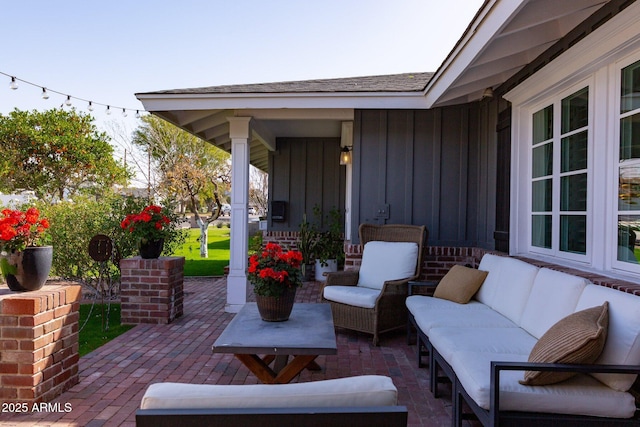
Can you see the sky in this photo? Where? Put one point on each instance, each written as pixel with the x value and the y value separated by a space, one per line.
pixel 108 50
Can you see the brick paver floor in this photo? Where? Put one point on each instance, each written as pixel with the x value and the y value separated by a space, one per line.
pixel 114 377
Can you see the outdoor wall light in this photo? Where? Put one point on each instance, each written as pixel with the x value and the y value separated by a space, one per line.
pixel 345 155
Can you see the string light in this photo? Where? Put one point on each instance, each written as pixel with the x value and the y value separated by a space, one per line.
pixel 68 98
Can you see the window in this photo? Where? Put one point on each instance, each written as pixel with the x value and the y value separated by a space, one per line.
pixel 629 164
pixel 559 178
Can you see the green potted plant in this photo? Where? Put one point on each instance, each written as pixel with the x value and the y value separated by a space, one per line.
pixel 306 244
pixel 329 245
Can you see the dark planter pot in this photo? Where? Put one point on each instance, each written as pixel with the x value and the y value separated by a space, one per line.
pixel 276 309
pixel 27 270
pixel 150 249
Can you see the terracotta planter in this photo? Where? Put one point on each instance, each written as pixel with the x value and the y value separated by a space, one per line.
pixel 150 249
pixel 27 270
pixel 276 309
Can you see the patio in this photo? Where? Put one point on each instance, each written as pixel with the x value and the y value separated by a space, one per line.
pixel 114 377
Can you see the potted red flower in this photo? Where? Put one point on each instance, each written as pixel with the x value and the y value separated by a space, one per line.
pixel 150 227
pixel 24 264
pixel 275 275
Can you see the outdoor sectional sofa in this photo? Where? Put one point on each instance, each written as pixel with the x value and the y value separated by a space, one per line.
pixel 366 400
pixel 483 346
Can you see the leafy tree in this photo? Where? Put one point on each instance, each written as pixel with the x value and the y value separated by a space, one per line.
pixel 189 169
pixel 56 153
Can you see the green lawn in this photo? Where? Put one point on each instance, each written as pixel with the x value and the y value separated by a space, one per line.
pixel 218 253
pixel 92 335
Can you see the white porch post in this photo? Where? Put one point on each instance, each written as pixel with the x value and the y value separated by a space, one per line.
pixel 237 279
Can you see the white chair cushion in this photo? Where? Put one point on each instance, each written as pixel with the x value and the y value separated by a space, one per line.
pixel 352 295
pixel 365 390
pixel 581 395
pixel 623 339
pixel 554 296
pixel 384 261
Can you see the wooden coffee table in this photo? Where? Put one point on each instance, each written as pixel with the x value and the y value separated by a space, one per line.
pixel 308 333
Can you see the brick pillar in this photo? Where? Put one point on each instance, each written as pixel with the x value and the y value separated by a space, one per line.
pixel 151 290
pixel 38 342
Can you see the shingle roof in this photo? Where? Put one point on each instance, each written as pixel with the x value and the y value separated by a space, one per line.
pixel 407 82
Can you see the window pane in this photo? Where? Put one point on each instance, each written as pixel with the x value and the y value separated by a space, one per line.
pixel 573 233
pixel 629 188
pixel 573 193
pixel 628 227
pixel 543 125
pixel 574 152
pixel 543 160
pixel 541 231
pixel 541 197
pixel 630 137
pixel 630 88
pixel 575 111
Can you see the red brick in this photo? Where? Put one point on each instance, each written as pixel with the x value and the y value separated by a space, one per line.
pixel 20 306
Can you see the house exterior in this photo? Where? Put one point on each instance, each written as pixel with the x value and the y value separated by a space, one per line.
pixel 526 141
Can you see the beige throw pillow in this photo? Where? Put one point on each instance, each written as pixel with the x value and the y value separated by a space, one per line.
pixel 578 338
pixel 460 284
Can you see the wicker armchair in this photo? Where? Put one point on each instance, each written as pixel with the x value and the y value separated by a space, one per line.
pixel 389 312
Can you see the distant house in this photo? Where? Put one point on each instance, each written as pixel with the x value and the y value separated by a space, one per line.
pixel 526 140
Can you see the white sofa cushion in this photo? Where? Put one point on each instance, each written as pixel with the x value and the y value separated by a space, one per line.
pixel 510 286
pixel 365 390
pixel 384 261
pixel 448 341
pixel 352 295
pixel 582 394
pixel 623 339
pixel 431 313
pixel 553 297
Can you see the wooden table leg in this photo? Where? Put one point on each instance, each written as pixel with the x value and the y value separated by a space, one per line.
pixel 289 371
pixel 297 364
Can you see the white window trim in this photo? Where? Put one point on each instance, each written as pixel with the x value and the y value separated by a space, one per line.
pixel 596 62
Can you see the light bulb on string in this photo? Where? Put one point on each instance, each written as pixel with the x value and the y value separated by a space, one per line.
pixel 68 101
pixel 137 114
pixel 108 111
pixel 45 94
pixel 124 113
pixel 90 106
pixel 14 84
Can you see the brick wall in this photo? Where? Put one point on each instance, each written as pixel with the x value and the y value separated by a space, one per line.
pixel 151 290
pixel 38 342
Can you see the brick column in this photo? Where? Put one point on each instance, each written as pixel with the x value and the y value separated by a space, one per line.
pixel 151 290
pixel 38 342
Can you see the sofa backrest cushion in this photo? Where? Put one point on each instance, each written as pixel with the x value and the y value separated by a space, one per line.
pixel 578 338
pixel 554 296
pixel 365 390
pixel 507 286
pixel 460 284
pixel 384 261
pixel 623 340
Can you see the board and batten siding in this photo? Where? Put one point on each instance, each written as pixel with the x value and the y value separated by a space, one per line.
pixel 305 172
pixel 433 167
